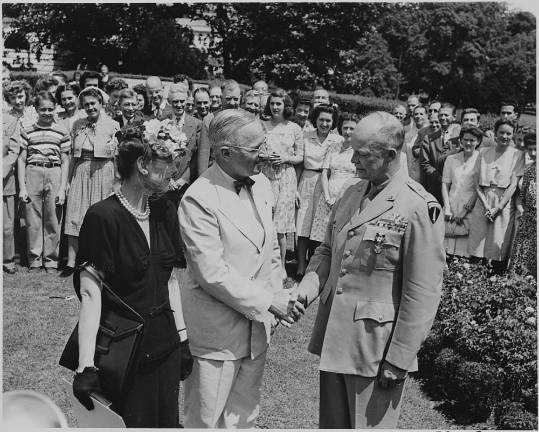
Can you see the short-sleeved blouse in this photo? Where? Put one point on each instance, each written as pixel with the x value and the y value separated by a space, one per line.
pixel 315 151
pixel 497 170
pixel 285 138
pixel 113 242
pixel 98 137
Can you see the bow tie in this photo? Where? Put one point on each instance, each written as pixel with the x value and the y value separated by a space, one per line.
pixel 247 182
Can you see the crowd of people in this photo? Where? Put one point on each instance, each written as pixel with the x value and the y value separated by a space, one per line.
pixel 142 181
pixel 60 140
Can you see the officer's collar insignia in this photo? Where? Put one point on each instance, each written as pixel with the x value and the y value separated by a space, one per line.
pixel 434 210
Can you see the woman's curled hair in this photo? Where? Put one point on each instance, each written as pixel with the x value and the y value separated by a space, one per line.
pixel 132 145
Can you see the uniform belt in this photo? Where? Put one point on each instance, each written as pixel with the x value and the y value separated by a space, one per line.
pixel 315 170
pixel 157 310
pixel 45 164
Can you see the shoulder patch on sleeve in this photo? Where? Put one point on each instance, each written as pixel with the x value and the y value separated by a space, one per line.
pixel 435 210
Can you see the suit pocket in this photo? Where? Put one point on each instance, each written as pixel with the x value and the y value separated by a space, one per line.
pixel 379 312
pixel 380 249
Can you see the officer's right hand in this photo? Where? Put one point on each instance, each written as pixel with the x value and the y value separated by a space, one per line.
pixel 85 383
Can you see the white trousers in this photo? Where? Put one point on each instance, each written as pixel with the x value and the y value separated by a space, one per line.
pixel 224 394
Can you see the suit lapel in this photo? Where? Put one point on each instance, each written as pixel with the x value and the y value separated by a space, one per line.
pixel 231 206
pixel 381 203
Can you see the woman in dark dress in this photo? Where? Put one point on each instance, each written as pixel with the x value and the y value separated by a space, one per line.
pixel 133 241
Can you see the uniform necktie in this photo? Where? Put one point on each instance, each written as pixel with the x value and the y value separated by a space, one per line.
pixel 248 182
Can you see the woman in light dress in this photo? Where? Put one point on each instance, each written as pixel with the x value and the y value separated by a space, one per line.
pixel 92 172
pixel 337 169
pixel 458 191
pixel 317 141
pixel 284 141
pixel 497 172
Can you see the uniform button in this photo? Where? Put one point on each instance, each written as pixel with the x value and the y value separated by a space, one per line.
pixel 380 318
pixel 351 234
pixel 343 272
pixel 347 253
pixel 338 290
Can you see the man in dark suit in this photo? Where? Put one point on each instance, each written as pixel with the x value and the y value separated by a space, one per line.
pixel 231 99
pixel 435 149
pixel 127 101
pixel 190 127
pixel 158 107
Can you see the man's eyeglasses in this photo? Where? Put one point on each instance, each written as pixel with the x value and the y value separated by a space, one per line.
pixel 262 149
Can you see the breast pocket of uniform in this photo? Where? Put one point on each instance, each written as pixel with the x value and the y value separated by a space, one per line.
pixel 379 249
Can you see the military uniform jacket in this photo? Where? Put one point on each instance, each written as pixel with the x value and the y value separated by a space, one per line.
pixel 379 276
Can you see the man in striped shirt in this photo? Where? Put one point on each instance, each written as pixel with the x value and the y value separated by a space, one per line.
pixel 42 169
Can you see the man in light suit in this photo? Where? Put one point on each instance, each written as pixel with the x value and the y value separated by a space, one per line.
pixel 379 276
pixel 233 278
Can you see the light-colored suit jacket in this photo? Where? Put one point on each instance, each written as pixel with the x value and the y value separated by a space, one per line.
pixel 231 280
pixel 379 285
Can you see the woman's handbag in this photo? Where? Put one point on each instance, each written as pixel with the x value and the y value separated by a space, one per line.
pixel 452 229
pixel 118 337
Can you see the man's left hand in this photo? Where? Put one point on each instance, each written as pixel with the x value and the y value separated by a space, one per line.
pixel 390 376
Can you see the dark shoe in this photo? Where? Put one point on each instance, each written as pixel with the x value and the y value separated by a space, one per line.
pixel 67 271
pixel 10 270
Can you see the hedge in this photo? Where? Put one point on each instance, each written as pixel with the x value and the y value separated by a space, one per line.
pixel 360 105
pixel 32 77
pixel 481 355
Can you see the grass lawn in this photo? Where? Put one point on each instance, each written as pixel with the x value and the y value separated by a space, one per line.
pixel 36 328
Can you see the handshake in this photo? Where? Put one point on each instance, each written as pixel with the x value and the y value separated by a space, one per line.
pixel 288 306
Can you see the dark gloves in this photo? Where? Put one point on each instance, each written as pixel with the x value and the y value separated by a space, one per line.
pixel 186 360
pixel 85 383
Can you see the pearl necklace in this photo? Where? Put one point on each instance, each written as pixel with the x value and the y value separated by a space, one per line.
pixel 140 216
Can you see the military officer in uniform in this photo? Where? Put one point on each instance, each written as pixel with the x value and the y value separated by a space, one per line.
pixel 379 276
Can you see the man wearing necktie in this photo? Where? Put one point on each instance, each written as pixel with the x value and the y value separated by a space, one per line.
pixel 233 287
pixel 379 276
pixel 435 149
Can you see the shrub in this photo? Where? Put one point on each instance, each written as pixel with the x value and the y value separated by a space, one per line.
pixel 513 416
pixel 361 105
pixel 482 350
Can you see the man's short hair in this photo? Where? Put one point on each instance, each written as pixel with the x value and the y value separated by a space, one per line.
pixel 153 78
pixel 302 101
pixel 225 125
pixel 470 111
pixel 201 90
pixel 423 107
pixel 177 88
pixel 448 105
pixel 126 94
pixel 509 103
pixel 229 84
pixel 182 77
pixel 390 129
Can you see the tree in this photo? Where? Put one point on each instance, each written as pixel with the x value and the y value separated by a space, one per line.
pixel 300 44
pixel 108 33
